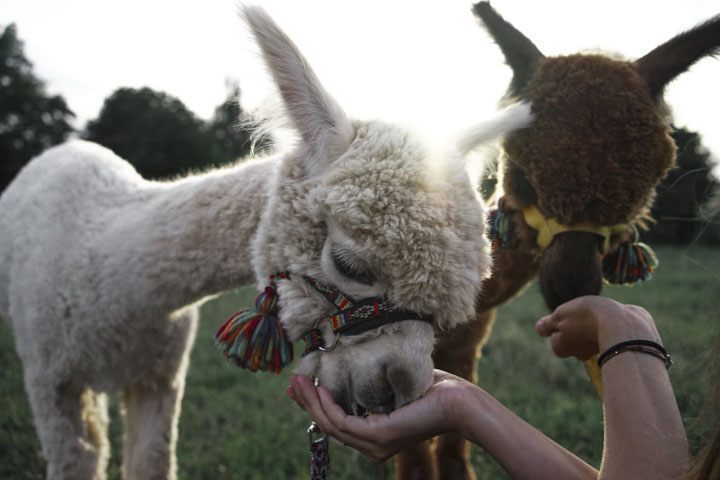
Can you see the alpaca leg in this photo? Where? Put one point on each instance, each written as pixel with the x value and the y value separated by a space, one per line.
pixel 96 422
pixel 72 428
pixel 416 463
pixel 151 419
pixel 457 353
pixel 152 405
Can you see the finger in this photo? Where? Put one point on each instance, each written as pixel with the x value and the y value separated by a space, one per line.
pixel 309 398
pixel 559 345
pixel 341 423
pixel 360 433
pixel 306 396
pixel 294 392
pixel 334 412
pixel 544 327
pixel 356 432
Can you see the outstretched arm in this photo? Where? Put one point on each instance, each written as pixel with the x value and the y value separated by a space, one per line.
pixel 644 436
pixel 451 404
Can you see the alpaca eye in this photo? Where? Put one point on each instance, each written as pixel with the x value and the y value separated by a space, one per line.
pixel 352 267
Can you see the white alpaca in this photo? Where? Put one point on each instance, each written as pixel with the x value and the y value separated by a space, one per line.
pixel 101 270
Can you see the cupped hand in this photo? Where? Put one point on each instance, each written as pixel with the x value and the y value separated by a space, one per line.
pixel 380 436
pixel 588 325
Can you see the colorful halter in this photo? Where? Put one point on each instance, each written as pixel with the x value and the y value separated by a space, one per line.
pixel 547 228
pixel 630 262
pixel 255 340
pixel 354 318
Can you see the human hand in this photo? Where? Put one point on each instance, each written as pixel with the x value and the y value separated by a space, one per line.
pixel 588 325
pixel 380 436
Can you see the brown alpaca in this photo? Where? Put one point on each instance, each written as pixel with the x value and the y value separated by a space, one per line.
pixel 594 155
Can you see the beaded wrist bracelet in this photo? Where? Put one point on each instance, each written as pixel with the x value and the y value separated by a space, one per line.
pixel 642 346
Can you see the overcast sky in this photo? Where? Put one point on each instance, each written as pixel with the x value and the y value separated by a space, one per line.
pixel 421 62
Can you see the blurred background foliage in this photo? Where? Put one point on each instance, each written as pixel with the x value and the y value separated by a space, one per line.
pixel 157 134
pixel 151 129
pixel 30 119
pixel 687 205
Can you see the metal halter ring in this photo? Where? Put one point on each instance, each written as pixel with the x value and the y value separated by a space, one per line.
pixel 333 345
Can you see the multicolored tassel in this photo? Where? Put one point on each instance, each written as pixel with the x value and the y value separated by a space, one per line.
pixel 254 339
pixel 500 229
pixel 631 262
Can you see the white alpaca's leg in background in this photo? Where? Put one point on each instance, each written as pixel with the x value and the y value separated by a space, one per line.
pixel 96 422
pixel 72 425
pixel 151 417
pixel 152 406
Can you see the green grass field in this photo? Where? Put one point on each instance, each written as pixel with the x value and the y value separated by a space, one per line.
pixel 239 425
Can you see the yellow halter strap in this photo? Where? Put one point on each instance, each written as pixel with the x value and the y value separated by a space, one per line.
pixel 548 228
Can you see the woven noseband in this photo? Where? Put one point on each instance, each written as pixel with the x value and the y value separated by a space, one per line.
pixel 354 318
pixel 547 228
pixel 630 262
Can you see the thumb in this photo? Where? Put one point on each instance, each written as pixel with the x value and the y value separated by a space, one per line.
pixel 545 326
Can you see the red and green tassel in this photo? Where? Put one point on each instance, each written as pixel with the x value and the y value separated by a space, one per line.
pixel 500 229
pixel 254 339
pixel 631 262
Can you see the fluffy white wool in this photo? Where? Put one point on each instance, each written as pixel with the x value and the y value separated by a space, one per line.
pixel 101 271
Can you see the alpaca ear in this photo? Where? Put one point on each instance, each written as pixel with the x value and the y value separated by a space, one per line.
pixel 664 63
pixel 516 116
pixel 520 53
pixel 322 125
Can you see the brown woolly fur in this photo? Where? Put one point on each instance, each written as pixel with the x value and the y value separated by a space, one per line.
pixel 598 145
pixel 596 150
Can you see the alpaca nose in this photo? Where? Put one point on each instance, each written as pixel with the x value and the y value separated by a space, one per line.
pixel 570 267
pixel 385 404
pixel 387 400
pixel 378 398
pixel 391 390
pixel 403 388
pixel 386 407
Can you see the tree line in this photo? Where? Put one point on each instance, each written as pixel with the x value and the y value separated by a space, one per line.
pixel 153 130
pixel 162 138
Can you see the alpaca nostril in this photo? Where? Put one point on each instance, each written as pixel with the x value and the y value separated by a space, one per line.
pixel 376 398
pixel 360 411
pixel 387 406
pixel 384 404
pixel 394 387
pixel 402 386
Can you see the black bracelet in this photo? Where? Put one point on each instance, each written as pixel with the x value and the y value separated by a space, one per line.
pixel 642 346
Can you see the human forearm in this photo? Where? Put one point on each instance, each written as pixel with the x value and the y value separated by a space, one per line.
pixel 451 405
pixel 644 436
pixel 523 451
